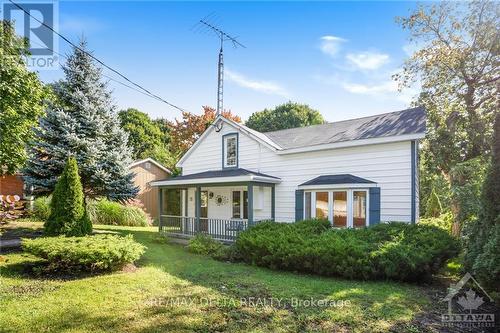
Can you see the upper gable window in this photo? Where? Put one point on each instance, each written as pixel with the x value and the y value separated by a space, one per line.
pixel 230 148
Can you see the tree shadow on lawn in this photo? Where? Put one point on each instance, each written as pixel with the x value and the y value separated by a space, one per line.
pixel 33 268
pixel 374 305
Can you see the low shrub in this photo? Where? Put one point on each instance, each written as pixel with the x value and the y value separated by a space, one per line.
pixel 204 244
pixel 41 208
pixel 398 251
pixel 87 253
pixel 108 212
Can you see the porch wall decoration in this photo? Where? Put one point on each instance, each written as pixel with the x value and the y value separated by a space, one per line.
pixel 221 200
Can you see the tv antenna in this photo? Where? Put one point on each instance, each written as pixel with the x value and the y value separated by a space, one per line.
pixel 223 37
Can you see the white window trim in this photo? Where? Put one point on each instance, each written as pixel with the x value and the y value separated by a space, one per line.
pixel 226 139
pixel 350 201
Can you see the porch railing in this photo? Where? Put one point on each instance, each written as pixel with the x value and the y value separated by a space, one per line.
pixel 220 229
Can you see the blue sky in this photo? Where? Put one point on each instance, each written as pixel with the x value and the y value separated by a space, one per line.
pixel 337 57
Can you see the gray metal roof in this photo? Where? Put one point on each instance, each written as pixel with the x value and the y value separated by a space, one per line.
pixel 220 174
pixel 410 121
pixel 337 179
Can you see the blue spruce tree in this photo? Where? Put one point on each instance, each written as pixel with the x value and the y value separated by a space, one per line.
pixel 82 122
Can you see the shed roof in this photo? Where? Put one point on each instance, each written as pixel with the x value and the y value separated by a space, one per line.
pixel 150 160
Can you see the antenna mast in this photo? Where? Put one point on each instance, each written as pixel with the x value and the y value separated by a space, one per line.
pixel 220 74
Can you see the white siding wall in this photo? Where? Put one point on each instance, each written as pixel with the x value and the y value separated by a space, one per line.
pixel 388 164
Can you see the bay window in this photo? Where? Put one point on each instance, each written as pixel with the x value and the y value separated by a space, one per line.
pixel 359 209
pixel 343 208
pixel 321 205
pixel 340 209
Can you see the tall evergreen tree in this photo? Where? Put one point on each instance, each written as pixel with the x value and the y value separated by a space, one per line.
pixel 68 214
pixel 482 250
pixel 82 123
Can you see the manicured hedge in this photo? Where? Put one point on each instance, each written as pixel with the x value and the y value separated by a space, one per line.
pixel 87 253
pixel 398 251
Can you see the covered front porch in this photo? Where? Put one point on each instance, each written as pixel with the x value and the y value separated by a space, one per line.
pixel 217 203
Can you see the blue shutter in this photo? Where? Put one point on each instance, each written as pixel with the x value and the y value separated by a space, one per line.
pixel 299 205
pixel 374 205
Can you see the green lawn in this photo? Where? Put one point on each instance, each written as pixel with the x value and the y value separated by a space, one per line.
pixel 142 301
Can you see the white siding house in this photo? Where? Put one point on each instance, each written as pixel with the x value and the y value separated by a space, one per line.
pixel 356 172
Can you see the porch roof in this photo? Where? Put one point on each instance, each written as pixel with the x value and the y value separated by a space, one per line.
pixel 225 176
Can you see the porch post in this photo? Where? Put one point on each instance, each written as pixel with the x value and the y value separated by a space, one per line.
pixel 273 202
pixel 186 202
pixel 198 207
pixel 250 203
pixel 160 206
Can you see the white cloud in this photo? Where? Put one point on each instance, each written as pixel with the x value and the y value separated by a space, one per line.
pixel 266 87
pixel 330 45
pixel 385 89
pixel 368 60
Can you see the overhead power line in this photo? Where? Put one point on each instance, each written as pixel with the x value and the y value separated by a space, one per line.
pixel 106 76
pixel 149 93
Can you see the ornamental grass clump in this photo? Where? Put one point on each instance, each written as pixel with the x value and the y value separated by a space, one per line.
pixel 104 211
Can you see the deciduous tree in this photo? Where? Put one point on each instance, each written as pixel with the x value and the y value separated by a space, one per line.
pixel 186 131
pixel 21 100
pixel 288 115
pixel 457 63
pixel 146 137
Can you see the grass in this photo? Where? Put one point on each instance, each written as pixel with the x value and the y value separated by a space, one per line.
pixel 176 291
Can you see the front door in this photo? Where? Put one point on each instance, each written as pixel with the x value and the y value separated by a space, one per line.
pixel 204 211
